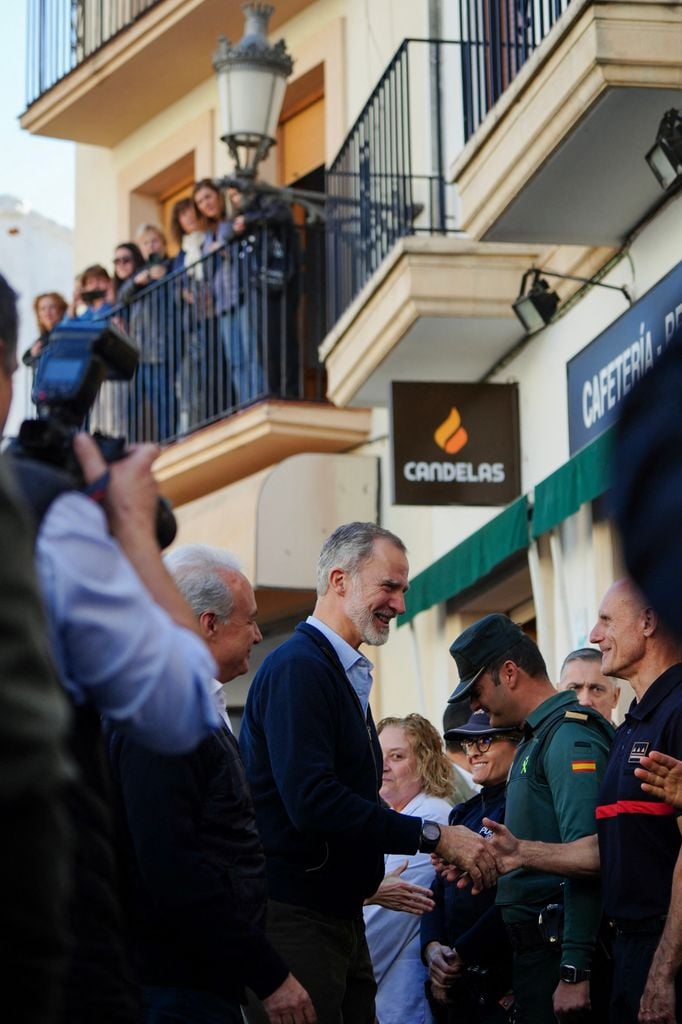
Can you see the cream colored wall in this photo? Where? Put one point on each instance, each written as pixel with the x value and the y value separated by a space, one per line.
pixel 105 213
pixel 95 230
pixel 375 30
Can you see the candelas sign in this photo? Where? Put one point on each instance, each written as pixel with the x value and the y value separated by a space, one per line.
pixel 455 444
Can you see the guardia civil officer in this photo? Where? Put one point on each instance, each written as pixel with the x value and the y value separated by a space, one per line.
pixel 552 923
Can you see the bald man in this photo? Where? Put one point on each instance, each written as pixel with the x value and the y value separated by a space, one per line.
pixel 638 839
pixel 581 672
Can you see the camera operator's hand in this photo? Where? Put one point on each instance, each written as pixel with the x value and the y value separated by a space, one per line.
pixel 130 501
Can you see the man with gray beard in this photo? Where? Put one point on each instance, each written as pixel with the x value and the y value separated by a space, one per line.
pixel 314 763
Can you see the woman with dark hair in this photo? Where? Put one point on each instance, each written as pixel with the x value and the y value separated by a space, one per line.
pixel 150 323
pixel 210 203
pixel 416 780
pixel 188 230
pixel 128 261
pixel 49 308
pixel 194 299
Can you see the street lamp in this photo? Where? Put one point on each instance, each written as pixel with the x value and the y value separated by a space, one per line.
pixel 252 78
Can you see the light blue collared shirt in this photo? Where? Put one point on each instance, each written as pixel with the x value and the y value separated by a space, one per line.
pixel 357 667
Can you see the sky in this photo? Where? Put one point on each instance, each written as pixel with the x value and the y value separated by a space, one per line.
pixel 33 168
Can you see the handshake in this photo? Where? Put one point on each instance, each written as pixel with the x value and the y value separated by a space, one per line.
pixel 468 858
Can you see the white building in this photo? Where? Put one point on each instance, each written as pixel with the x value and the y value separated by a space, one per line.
pixel 36 255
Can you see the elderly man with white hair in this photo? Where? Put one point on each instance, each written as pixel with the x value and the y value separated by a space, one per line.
pixel 194 860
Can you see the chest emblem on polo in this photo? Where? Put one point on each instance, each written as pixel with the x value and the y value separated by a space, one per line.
pixel 638 751
pixel 524 765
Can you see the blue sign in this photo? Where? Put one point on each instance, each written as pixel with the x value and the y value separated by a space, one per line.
pixel 600 376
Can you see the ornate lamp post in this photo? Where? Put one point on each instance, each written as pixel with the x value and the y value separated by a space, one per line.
pixel 252 78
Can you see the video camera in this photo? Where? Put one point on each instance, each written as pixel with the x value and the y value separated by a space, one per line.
pixel 78 358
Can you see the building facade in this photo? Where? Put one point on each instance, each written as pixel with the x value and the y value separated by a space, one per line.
pixel 459 145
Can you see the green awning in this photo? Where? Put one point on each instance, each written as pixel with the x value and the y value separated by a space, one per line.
pixel 583 478
pixel 470 561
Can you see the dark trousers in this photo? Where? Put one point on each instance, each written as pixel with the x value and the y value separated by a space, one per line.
pixel 536 975
pixel 330 958
pixel 34 881
pixel 632 956
pixel 165 1005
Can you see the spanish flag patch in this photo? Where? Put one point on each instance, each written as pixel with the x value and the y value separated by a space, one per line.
pixel 584 766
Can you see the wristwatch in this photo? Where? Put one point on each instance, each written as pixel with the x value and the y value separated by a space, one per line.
pixel 572 975
pixel 430 836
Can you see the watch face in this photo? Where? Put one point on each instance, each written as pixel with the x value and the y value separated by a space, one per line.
pixel 572 974
pixel 431 831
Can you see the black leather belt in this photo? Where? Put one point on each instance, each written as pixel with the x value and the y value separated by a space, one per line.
pixel 642 926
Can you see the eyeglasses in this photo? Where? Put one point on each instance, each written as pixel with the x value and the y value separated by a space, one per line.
pixel 123 259
pixel 482 743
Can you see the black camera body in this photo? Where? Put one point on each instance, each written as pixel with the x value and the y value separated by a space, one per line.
pixel 78 357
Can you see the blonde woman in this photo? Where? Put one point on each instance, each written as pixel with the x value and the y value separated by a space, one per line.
pixel 417 780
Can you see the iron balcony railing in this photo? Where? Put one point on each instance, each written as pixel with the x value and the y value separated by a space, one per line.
pixel 496 39
pixel 388 180
pixel 61 34
pixel 240 325
pixel 381 186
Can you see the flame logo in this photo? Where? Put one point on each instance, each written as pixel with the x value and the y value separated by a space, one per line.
pixel 451 435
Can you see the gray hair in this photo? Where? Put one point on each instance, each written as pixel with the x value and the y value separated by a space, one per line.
pixel 196 569
pixel 584 654
pixel 348 547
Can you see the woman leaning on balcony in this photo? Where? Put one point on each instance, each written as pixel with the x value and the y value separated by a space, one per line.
pixel 211 205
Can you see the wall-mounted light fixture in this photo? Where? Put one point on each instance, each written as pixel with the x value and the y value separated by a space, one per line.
pixel 537 303
pixel 665 156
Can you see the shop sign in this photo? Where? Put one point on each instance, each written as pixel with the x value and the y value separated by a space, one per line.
pixel 601 375
pixel 455 444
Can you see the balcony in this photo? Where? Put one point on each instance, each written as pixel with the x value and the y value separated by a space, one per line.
pixel 228 366
pixel 130 58
pixel 558 158
pixel 409 297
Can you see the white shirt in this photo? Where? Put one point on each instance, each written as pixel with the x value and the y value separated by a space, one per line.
pixel 393 936
pixel 221 703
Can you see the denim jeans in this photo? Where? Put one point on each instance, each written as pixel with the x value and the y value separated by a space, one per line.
pixel 151 413
pixel 164 1005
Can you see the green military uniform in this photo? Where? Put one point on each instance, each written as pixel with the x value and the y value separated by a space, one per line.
pixel 551 797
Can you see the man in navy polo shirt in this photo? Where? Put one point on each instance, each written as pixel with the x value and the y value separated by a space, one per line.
pixel 638 838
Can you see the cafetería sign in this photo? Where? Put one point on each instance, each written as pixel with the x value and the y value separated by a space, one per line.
pixel 455 444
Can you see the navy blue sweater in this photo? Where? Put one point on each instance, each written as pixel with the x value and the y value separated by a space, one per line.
pixel 314 764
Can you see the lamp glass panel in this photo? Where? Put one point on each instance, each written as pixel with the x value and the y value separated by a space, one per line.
pixel 249 95
pixel 660 164
pixel 524 307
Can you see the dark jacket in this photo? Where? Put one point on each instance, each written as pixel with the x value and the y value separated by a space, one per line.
pixel 195 869
pixel 314 764
pixel 472 924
